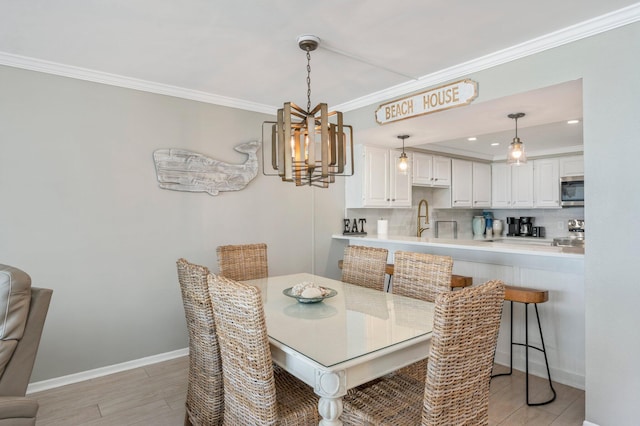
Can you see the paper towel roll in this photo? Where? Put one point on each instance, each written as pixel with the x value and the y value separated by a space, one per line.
pixel 383 227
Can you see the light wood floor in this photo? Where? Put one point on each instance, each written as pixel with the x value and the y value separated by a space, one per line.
pixel 155 395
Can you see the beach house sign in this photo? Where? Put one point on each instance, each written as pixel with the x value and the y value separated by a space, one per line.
pixel 441 98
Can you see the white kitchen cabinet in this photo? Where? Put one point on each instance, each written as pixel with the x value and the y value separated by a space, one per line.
pixel 546 183
pixel 500 186
pixel 512 186
pixel 377 182
pixel 572 166
pixel 470 186
pixel 522 185
pixel 400 183
pixel 431 170
pixel 461 183
pixel 481 196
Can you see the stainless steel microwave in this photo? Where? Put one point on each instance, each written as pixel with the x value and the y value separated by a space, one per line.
pixel 572 191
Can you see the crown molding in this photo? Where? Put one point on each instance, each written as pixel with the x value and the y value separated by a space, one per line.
pixel 79 73
pixel 570 34
pixel 561 37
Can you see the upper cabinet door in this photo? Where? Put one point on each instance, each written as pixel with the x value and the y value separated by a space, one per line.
pixel 546 182
pixel 500 186
pixel 572 166
pixel 441 171
pixel 461 183
pixel 522 185
pixel 376 177
pixel 481 184
pixel 400 184
pixel 422 169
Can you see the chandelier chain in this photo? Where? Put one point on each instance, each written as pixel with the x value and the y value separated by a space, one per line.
pixel 308 80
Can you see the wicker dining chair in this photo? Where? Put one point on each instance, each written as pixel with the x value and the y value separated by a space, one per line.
pixel 365 266
pixel 243 262
pixel 205 393
pixel 253 393
pixel 420 276
pixel 456 389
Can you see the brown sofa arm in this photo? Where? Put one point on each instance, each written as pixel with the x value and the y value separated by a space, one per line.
pixel 18 411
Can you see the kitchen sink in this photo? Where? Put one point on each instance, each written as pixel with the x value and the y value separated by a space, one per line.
pixel 568 242
pixel 517 241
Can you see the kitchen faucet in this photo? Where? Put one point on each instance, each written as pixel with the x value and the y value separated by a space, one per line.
pixel 425 215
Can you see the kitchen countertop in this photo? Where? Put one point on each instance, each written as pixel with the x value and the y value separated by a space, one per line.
pixel 513 245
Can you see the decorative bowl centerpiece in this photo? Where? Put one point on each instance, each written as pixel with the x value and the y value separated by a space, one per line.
pixel 308 292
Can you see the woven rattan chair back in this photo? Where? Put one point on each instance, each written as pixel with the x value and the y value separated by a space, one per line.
pixel 365 266
pixel 465 334
pixel 420 275
pixel 243 262
pixel 454 390
pixel 205 398
pixel 254 394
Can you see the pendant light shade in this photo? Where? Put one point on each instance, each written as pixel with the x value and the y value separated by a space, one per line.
pixel 516 154
pixel 403 164
pixel 309 146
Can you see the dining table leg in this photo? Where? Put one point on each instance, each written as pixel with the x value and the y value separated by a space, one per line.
pixel 330 387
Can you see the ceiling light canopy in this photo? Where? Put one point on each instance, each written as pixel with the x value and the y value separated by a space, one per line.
pixel 516 154
pixel 309 146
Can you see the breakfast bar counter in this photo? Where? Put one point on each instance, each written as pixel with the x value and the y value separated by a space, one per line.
pixel 532 252
pixel 523 263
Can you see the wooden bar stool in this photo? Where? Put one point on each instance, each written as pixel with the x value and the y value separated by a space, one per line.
pixel 527 296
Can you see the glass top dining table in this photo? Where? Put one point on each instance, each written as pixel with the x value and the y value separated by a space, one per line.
pixel 346 340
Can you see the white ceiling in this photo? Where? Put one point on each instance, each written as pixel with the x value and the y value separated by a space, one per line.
pixel 246 51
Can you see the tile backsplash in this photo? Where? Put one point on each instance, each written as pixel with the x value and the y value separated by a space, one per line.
pixel 403 221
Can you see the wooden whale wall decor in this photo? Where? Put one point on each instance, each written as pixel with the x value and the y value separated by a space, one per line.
pixel 184 170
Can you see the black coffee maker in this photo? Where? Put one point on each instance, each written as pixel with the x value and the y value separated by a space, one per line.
pixel 526 226
pixel 513 226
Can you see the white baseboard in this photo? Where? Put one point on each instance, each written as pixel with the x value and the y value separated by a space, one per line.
pixel 586 423
pixel 537 368
pixel 104 371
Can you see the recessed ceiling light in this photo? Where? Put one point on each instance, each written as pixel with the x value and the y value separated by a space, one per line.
pixel 573 121
pixel 473 138
pixel 495 144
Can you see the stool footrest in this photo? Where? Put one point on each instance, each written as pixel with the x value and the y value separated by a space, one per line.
pixel 528 346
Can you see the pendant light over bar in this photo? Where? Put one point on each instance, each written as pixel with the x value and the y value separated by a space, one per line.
pixel 516 154
pixel 403 164
pixel 312 146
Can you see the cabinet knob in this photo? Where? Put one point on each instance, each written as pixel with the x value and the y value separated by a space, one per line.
pixel 435 179
pixel 388 199
pixel 393 199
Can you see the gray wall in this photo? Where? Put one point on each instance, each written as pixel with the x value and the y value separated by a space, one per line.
pixel 608 64
pixel 82 213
